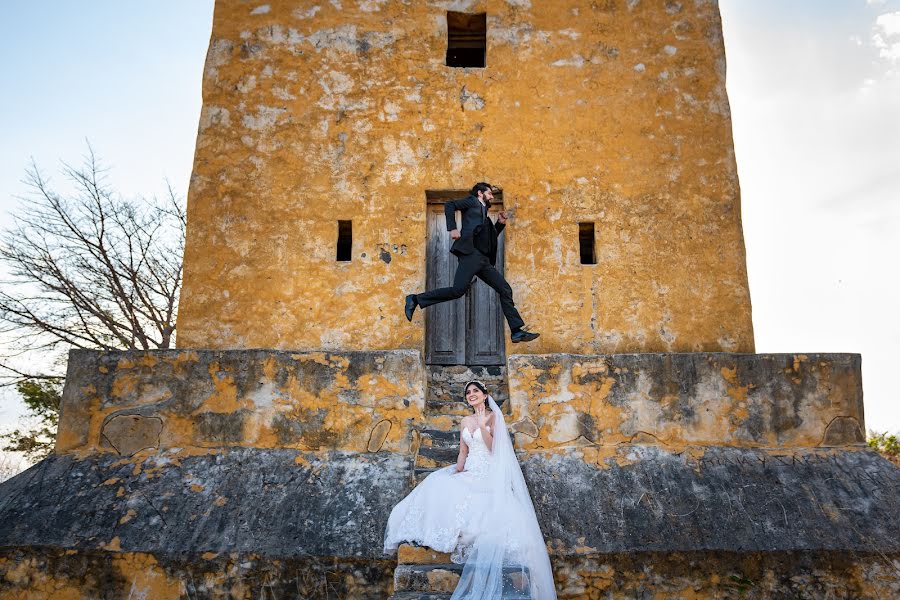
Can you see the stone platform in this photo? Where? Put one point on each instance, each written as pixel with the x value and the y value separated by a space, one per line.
pixel 676 476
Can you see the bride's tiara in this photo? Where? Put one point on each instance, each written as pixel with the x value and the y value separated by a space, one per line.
pixel 480 385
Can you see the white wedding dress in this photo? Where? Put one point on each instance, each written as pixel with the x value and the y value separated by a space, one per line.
pixel 483 517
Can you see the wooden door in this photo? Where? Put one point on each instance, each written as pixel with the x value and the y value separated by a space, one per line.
pixel 445 323
pixel 469 330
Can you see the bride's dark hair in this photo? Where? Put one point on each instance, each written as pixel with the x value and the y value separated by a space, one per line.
pixel 481 387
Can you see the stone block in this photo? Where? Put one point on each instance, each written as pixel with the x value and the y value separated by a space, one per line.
pixel 408 554
pixel 129 434
pixel 353 401
pixel 747 400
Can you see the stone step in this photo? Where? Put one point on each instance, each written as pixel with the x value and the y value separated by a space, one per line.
pixel 411 554
pixel 439 438
pixel 497 390
pixel 421 473
pixel 443 579
pixel 447 407
pixel 436 457
pixel 421 596
pixel 445 383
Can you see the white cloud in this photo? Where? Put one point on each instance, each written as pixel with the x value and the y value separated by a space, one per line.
pixel 889 22
pixel 886 36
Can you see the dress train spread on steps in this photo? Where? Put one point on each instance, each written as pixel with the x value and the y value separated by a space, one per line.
pixel 483 517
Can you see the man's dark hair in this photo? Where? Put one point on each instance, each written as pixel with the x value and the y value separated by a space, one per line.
pixel 480 187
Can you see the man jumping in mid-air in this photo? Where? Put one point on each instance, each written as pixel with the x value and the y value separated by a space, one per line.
pixel 476 248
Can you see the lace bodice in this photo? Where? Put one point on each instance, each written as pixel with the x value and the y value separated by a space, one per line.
pixel 479 458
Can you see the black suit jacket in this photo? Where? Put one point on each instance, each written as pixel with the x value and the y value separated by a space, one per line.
pixel 472 234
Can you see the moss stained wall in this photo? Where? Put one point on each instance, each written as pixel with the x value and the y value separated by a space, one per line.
pixel 613 112
pixel 197 401
pixel 744 400
pixel 200 400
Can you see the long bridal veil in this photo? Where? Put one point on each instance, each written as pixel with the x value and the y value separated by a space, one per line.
pixel 509 554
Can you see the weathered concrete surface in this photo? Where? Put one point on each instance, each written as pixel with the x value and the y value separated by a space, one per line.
pixel 649 499
pixel 768 400
pixel 729 575
pixel 275 502
pixel 613 112
pixel 783 523
pixel 126 401
pixel 204 473
pixel 644 522
pixel 242 521
pixel 36 573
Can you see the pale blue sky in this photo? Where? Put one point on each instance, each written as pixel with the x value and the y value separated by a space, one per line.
pixel 126 75
pixel 815 95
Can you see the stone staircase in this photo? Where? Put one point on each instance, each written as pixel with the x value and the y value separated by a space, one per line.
pixel 423 574
pixel 444 409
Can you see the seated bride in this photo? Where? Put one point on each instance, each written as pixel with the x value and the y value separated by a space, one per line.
pixel 479 511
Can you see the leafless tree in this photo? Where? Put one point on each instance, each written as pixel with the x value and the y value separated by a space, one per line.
pixel 85 269
pixel 91 269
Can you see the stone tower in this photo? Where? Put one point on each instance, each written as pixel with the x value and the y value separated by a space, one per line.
pixel 607 120
pixel 262 457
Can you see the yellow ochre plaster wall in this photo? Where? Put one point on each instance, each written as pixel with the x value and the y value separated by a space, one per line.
pixel 610 111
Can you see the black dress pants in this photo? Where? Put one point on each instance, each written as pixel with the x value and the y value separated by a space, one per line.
pixel 471 266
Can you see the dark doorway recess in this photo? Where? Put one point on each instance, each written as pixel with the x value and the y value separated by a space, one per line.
pixel 344 241
pixel 586 243
pixel 471 329
pixel 466 39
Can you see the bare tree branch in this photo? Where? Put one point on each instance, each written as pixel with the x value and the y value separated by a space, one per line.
pixel 90 269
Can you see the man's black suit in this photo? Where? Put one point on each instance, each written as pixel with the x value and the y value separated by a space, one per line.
pixel 476 250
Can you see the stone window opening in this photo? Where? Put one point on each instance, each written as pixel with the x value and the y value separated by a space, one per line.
pixel 466 39
pixel 586 243
pixel 344 241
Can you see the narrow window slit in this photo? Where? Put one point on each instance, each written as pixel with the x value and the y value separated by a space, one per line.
pixel 345 240
pixel 586 243
pixel 466 39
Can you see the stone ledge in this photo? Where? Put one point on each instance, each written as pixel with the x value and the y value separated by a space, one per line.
pixel 275 502
pixel 282 502
pixel 597 506
pixel 794 575
pixel 37 572
pixel 638 498
pixel 124 402
pixel 707 398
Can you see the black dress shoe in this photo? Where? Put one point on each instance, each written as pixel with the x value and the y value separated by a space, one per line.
pixel 524 336
pixel 411 305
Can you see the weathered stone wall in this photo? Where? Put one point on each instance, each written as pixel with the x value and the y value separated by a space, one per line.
pixel 653 497
pixel 613 112
pixel 714 522
pixel 729 576
pixel 233 523
pixel 41 572
pixel 768 400
pixel 644 522
pixel 124 402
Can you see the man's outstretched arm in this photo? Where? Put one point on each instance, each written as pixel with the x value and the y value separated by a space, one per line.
pixel 450 208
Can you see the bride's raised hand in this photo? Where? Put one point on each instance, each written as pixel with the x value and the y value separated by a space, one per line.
pixel 482 416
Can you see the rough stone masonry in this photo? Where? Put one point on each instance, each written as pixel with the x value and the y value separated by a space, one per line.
pixel 206 506
pixel 261 458
pixel 611 112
